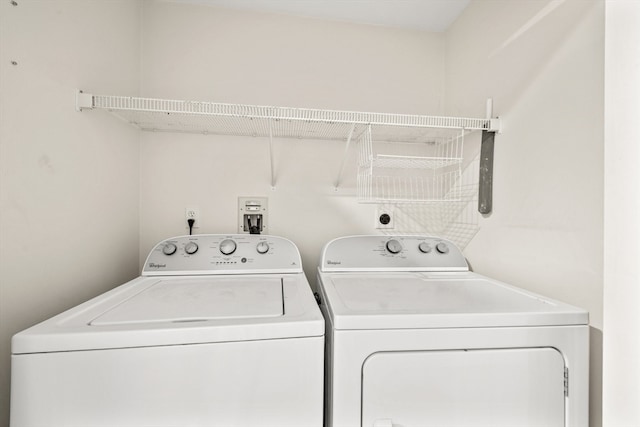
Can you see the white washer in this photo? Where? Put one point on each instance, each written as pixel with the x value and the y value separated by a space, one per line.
pixel 218 331
pixel 415 339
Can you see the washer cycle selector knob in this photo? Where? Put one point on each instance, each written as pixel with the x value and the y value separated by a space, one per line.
pixel 191 248
pixel 442 248
pixel 424 247
pixel 169 249
pixel 394 246
pixel 262 247
pixel 227 246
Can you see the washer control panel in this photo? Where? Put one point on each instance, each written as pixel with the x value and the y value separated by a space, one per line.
pixel 392 253
pixel 223 254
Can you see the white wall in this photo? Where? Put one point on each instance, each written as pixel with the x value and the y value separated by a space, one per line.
pixel 542 62
pixel 205 53
pixel 68 180
pixel 621 377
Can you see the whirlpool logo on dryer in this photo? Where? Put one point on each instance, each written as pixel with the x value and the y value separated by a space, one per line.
pixel 154 265
pixel 334 262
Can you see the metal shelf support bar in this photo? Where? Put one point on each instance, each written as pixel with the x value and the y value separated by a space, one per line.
pixel 344 156
pixel 485 183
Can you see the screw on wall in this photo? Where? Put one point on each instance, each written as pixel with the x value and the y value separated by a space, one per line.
pixel 13 3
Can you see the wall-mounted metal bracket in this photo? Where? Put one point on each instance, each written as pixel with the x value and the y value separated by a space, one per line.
pixel 485 183
pixel 83 100
pixel 495 125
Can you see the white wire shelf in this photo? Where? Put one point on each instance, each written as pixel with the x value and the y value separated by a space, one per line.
pixel 151 114
pixel 162 115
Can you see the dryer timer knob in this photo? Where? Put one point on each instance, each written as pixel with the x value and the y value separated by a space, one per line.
pixel 394 246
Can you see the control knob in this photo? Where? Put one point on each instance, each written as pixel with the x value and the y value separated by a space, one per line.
pixel 394 246
pixel 169 249
pixel 227 246
pixel 262 247
pixel 191 248
pixel 442 248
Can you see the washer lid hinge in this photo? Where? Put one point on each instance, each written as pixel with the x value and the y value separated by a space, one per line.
pixel 566 382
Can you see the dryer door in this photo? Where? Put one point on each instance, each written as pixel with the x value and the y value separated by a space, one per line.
pixel 464 388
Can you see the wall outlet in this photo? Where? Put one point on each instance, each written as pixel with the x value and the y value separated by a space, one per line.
pixel 192 213
pixel 385 218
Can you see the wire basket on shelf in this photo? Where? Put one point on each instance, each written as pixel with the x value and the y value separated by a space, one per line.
pixel 414 172
pixel 433 188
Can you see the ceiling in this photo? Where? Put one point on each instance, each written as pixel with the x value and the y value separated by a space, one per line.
pixel 424 15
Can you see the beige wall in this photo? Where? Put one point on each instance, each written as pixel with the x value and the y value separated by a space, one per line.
pixel 68 180
pixel 544 67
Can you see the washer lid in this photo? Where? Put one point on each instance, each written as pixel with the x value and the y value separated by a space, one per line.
pixel 182 310
pixel 441 300
pixel 196 300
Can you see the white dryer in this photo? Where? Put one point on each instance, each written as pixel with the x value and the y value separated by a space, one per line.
pixel 218 331
pixel 415 339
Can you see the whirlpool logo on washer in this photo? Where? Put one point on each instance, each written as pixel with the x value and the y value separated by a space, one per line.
pixel 154 265
pixel 334 262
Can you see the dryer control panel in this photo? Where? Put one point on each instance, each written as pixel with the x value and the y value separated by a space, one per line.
pixel 222 254
pixel 392 253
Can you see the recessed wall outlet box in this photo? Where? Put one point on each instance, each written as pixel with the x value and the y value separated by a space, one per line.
pixel 385 218
pixel 192 212
pixel 252 215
